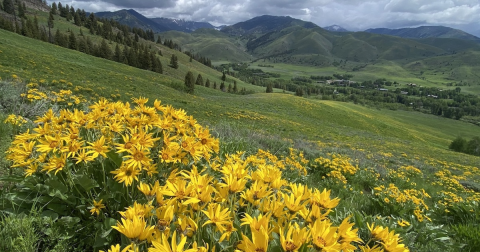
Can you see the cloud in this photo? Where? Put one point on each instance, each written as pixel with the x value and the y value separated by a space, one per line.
pixel 351 14
pixel 143 3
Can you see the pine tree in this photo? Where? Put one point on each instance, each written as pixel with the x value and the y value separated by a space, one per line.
pixel 59 39
pixel 214 85
pixel 8 7
pixel 174 61
pixel 43 35
pixel 77 20
pixel 50 26
pixel 229 88
pixel 222 86
pixel 35 28
pixel 156 64
pixel 159 40
pixel 104 50
pixel 224 77
pixel 189 83
pixel 235 89
pixel 117 54
pixel 21 11
pixel 199 80
pixel 72 41
pixel 90 46
pixel 63 10
pixel 207 83
pixel 299 91
pixel 82 45
pixel 269 88
pixel 53 10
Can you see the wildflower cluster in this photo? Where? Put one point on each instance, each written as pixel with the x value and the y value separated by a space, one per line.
pixel 338 167
pixel 407 199
pixel 142 138
pixel 454 192
pixel 384 240
pixel 200 211
pixel 65 97
pixel 15 120
pixel 176 193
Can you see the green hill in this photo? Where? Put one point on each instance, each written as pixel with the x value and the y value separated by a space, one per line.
pixel 426 32
pixel 281 115
pixel 210 43
pixel 378 144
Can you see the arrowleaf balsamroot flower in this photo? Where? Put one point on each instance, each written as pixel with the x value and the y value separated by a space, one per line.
pixel 217 216
pixel 136 229
pixel 324 236
pixel 97 207
pixel 294 239
pixel 126 174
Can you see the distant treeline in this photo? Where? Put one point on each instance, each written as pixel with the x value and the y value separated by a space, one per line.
pixel 379 93
pixel 128 49
pixel 471 147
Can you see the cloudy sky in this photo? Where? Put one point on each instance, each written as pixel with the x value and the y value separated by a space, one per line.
pixel 353 15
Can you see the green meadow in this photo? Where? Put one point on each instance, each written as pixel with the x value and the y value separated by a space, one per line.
pixel 278 114
pixel 371 148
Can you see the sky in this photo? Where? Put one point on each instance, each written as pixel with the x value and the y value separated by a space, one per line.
pixel 353 15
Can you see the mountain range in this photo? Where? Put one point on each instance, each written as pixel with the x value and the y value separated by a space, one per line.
pixel 137 20
pixel 267 23
pixel 426 32
pixel 335 28
pixel 283 39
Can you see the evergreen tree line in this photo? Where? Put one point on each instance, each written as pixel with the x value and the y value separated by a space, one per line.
pixel 131 51
pixel 138 55
pixel 199 58
pixel 447 103
pixel 471 147
pixel 190 83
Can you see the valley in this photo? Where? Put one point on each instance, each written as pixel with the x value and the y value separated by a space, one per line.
pixel 95 143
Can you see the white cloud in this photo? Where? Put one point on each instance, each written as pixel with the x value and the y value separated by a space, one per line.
pixel 351 14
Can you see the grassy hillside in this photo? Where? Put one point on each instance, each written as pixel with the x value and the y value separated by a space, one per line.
pixel 403 149
pixel 280 115
pixel 444 72
pixel 209 43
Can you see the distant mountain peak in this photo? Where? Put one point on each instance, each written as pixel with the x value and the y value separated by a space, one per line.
pixel 132 18
pixel 266 23
pixel 425 32
pixel 335 28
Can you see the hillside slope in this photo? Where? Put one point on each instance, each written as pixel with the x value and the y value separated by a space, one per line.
pixel 280 115
pixel 426 32
pixel 210 43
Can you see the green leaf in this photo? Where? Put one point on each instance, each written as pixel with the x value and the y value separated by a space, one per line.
pixel 109 222
pixel 115 157
pixel 85 182
pixel 50 214
pixel 56 188
pixel 12 179
pixel 61 209
pixel 359 220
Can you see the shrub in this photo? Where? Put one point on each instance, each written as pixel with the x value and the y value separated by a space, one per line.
pixel 459 144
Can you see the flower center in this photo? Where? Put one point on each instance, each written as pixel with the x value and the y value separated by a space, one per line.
pixel 53 144
pixel 321 242
pixel 138 156
pixel 290 246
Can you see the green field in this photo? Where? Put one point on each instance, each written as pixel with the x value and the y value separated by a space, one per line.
pixel 421 74
pixel 379 144
pixel 278 114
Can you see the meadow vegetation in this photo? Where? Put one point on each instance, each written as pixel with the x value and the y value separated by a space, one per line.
pixel 104 156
